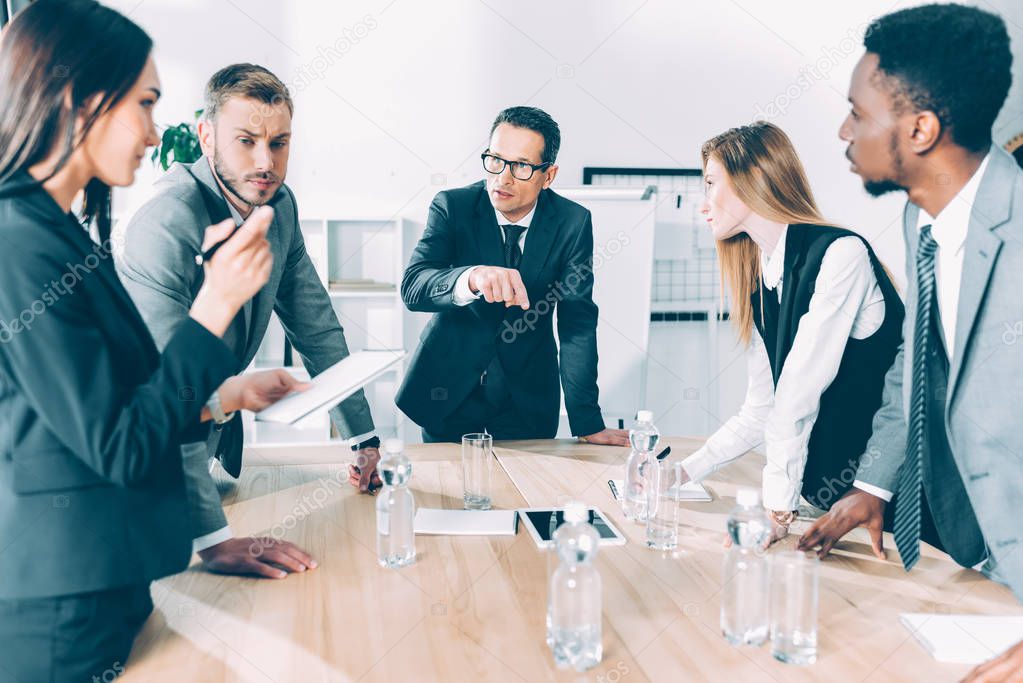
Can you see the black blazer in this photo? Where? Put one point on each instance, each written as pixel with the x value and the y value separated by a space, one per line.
pixel 460 341
pixel 91 415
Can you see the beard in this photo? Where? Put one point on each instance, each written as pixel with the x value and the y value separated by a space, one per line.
pixel 236 184
pixel 876 188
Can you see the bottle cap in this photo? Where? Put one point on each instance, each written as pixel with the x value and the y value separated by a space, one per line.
pixel 576 512
pixel 394 445
pixel 645 416
pixel 747 497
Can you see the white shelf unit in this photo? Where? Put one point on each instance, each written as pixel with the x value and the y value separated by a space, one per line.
pixel 360 262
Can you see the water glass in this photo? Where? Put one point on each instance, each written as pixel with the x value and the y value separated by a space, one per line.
pixel 662 504
pixel 477 461
pixel 793 612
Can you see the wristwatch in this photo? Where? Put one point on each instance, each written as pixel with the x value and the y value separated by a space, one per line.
pixel 371 442
pixel 216 411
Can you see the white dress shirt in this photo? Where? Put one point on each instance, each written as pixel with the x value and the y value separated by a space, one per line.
pixel 462 293
pixel 847 303
pixel 948 229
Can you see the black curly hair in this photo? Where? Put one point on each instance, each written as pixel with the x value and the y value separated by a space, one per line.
pixel 950 59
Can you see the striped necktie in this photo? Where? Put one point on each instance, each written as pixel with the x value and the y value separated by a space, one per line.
pixel 909 488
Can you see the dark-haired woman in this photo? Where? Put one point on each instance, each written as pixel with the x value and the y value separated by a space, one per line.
pixel 92 504
pixel 819 316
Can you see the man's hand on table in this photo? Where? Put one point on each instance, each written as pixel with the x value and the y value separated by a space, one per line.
pixel 256 556
pixel 856 508
pixel 608 437
pixel 363 473
pixel 1005 668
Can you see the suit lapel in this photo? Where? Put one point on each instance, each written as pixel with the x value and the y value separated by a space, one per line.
pixel 108 274
pixel 539 239
pixel 991 208
pixel 218 210
pixel 69 230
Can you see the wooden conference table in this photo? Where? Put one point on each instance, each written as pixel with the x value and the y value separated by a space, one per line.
pixel 473 608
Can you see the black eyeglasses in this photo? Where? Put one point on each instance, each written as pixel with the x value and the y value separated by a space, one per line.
pixel 520 170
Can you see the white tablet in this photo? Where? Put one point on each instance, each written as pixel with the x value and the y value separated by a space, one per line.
pixel 332 386
pixel 542 522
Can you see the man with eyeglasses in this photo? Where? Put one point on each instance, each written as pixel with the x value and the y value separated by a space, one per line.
pixel 497 258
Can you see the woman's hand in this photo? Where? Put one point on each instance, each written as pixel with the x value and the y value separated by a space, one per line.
pixel 236 272
pixel 258 390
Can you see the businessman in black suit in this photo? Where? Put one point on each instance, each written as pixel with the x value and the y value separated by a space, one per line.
pixel 497 258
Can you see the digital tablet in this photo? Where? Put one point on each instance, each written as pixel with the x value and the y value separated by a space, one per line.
pixel 331 386
pixel 542 522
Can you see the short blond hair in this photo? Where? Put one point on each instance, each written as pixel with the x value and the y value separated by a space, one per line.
pixel 244 80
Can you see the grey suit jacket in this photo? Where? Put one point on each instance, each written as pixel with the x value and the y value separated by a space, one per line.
pixel 158 269
pixel 982 413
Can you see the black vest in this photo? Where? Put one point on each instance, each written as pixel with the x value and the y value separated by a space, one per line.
pixel 844 423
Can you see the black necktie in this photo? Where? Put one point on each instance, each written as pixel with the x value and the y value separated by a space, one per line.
pixel 512 252
pixel 909 487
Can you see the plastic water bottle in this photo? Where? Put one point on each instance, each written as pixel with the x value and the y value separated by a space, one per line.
pixel 574 600
pixel 396 508
pixel 643 438
pixel 744 599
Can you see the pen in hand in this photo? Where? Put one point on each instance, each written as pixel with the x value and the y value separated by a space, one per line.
pixel 261 214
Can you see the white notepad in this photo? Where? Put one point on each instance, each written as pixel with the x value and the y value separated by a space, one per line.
pixel 332 386
pixel 689 492
pixel 964 638
pixel 431 521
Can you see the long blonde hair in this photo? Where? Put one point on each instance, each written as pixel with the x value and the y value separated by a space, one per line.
pixel 765 171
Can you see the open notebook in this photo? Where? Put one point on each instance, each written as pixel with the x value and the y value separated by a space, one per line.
pixel 964 638
pixel 689 492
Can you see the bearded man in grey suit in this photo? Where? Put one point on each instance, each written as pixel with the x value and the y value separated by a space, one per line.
pixel 245 136
pixel 945 462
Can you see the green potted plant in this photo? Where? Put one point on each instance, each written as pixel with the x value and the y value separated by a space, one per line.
pixel 179 143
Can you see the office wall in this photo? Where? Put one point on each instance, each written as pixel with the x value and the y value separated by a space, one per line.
pixel 394 97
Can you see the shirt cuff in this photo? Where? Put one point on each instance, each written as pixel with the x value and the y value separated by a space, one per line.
pixel 211 539
pixel 700 464
pixel 359 438
pixel 884 495
pixel 461 294
pixel 781 494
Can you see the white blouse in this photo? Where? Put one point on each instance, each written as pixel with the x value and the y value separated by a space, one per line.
pixel 847 302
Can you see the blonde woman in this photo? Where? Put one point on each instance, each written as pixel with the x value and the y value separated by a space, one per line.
pixel 817 312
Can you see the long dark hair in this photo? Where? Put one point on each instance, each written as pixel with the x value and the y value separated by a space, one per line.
pixel 55 57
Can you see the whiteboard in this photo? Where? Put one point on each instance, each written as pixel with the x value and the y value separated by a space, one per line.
pixel 623 258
